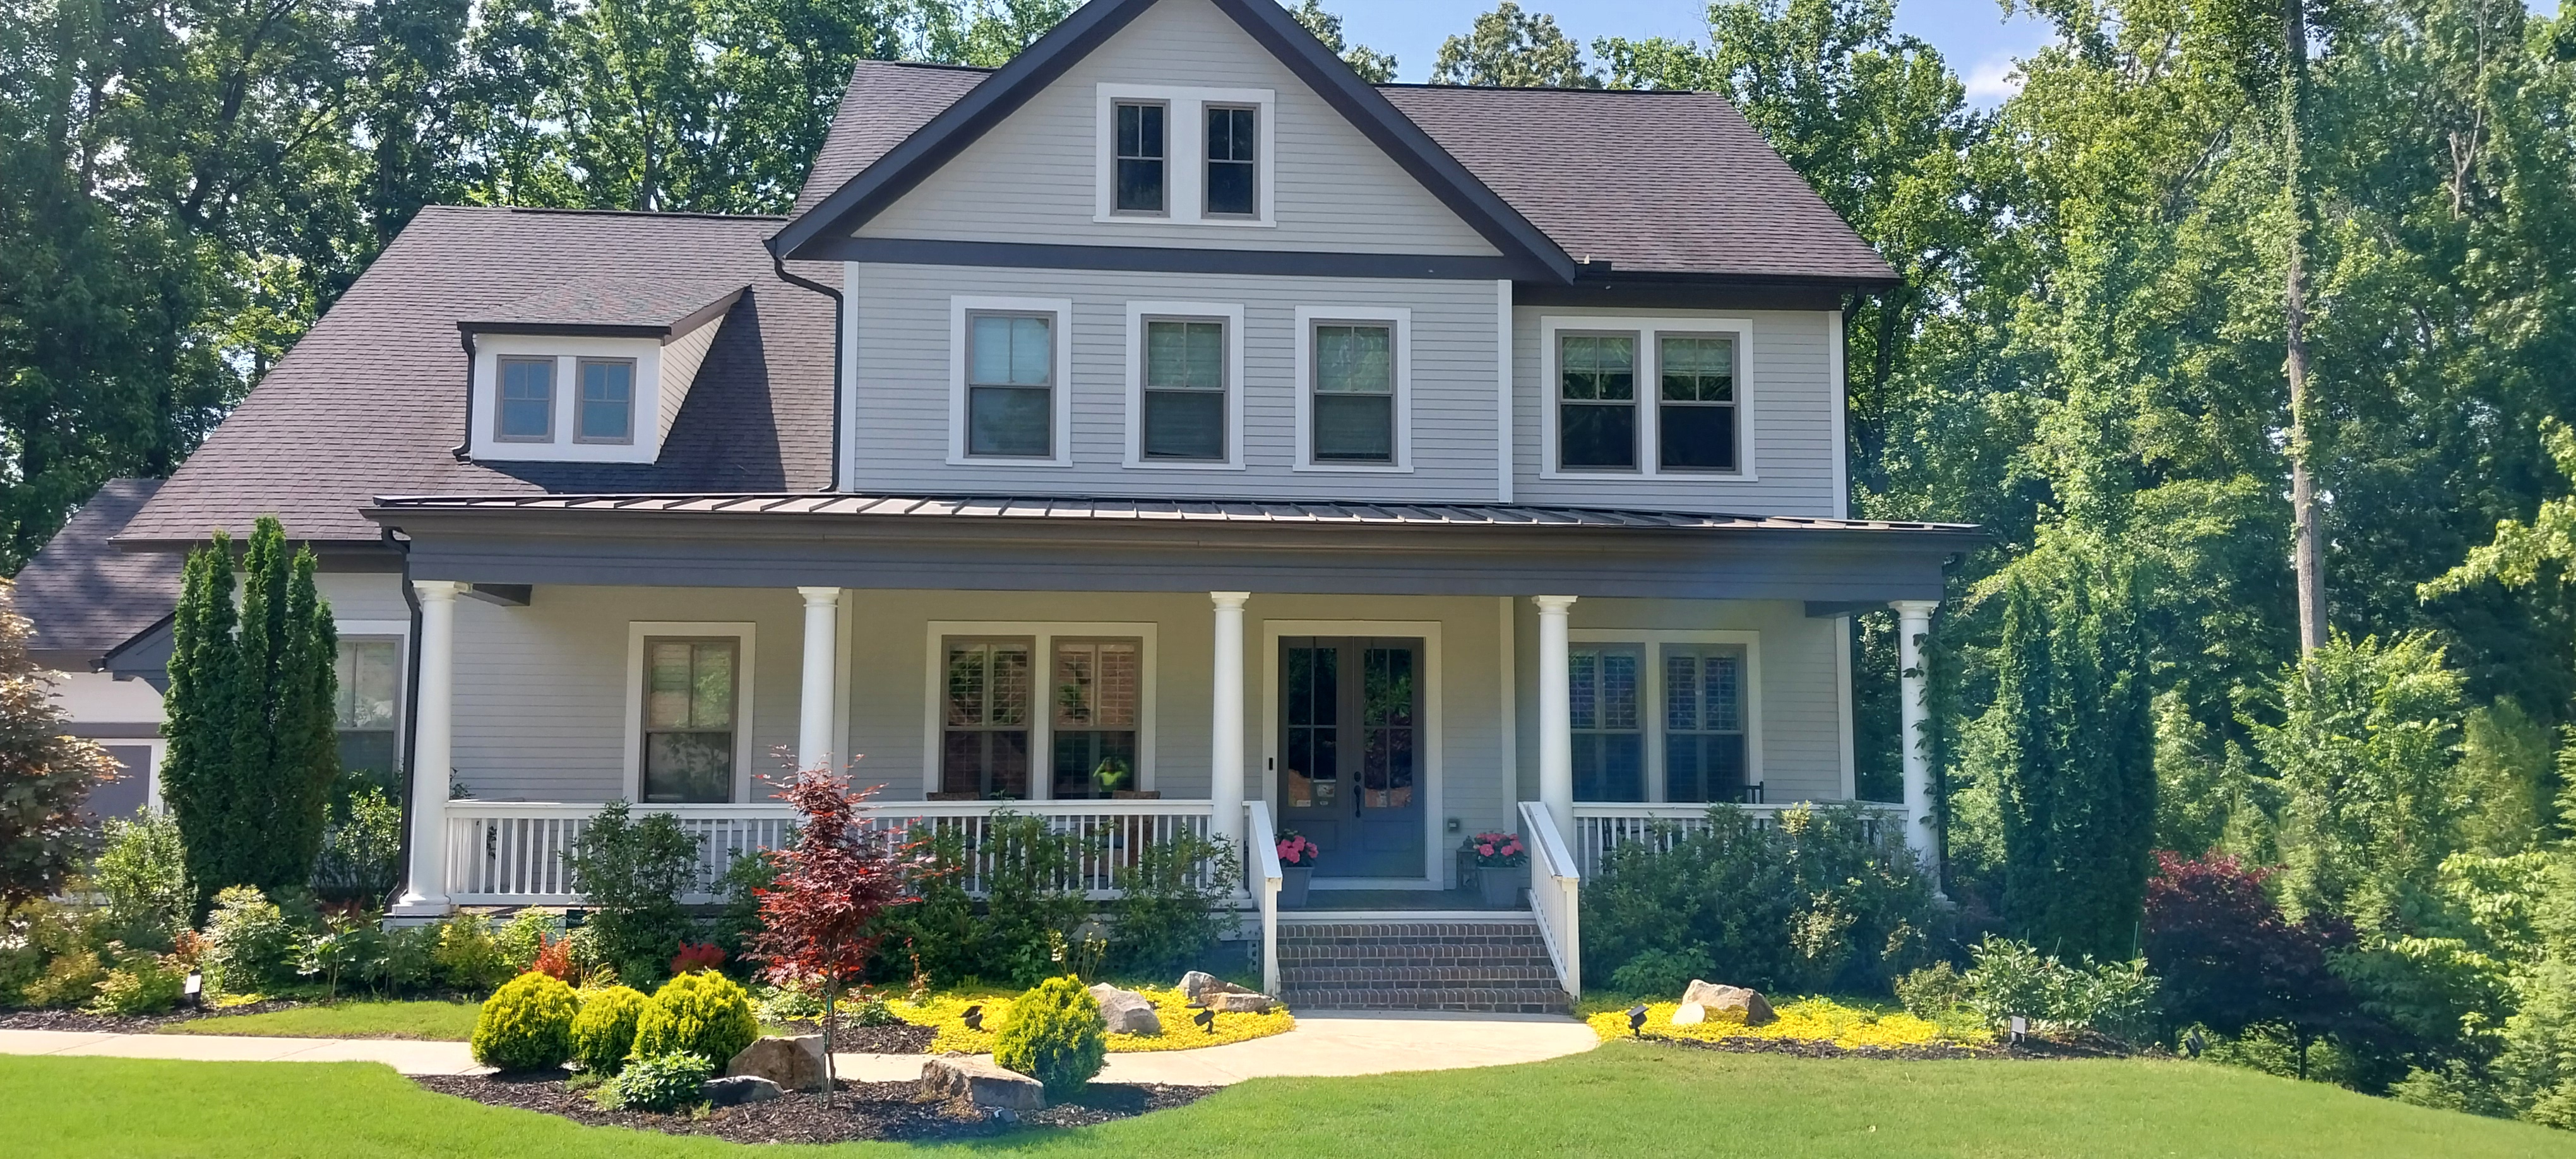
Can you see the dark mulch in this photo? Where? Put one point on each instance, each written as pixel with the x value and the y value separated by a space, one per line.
pixel 863 1111
pixel 128 1023
pixel 855 1039
pixel 2028 1048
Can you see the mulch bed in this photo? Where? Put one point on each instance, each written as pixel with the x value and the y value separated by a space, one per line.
pixel 129 1023
pixel 853 1039
pixel 863 1111
pixel 2028 1048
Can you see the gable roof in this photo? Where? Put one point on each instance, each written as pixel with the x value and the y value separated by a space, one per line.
pixel 372 399
pixel 898 169
pixel 85 597
pixel 611 306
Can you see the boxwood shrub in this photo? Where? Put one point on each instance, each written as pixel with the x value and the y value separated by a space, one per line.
pixel 1056 1036
pixel 660 1082
pixel 702 1013
pixel 526 1024
pixel 603 1034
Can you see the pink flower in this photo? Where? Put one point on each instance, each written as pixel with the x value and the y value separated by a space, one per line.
pixel 1485 850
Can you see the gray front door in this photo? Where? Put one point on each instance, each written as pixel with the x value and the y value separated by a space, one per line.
pixel 1350 764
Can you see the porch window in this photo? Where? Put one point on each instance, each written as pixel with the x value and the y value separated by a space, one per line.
pixel 1609 733
pixel 1230 161
pixel 1596 425
pixel 370 684
pixel 605 410
pixel 1695 417
pixel 689 713
pixel 1010 381
pixel 1354 393
pixel 1703 723
pixel 984 747
pixel 1139 172
pixel 527 410
pixel 1184 385
pixel 1098 687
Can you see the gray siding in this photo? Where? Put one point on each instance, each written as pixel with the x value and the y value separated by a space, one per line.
pixel 1032 178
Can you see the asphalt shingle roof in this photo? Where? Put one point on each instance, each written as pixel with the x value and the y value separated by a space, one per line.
pixel 85 596
pixel 610 301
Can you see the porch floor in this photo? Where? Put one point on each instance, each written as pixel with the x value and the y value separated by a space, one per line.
pixel 1377 900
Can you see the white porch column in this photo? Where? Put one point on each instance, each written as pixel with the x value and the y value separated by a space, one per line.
pixel 1225 749
pixel 432 753
pixel 1555 722
pixel 1914 711
pixel 814 703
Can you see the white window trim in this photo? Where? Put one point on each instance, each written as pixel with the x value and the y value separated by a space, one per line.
pixel 1651 691
pixel 1649 392
pixel 744 632
pixel 1402 319
pixel 1230 313
pixel 643 441
pixel 1043 634
pixel 1184 153
pixel 1062 436
pixel 1436 851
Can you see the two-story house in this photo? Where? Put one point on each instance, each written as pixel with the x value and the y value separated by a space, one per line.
pixel 1166 430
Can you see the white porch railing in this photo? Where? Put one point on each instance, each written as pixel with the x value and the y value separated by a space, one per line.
pixel 1262 876
pixel 1600 827
pixel 1556 896
pixel 515 853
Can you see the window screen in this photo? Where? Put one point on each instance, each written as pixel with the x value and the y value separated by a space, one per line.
pixel 1010 376
pixel 1354 393
pixel 1184 388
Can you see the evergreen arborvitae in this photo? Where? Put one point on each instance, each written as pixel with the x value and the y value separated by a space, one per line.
pixel 253 753
pixel 45 776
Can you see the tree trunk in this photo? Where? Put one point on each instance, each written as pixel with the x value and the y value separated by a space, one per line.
pixel 2307 537
pixel 831 1018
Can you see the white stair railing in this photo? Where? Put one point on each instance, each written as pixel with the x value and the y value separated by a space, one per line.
pixel 1263 876
pixel 1556 894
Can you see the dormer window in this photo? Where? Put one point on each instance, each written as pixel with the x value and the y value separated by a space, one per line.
pixel 1231 157
pixel 1181 155
pixel 1141 156
pixel 592 371
pixel 527 410
pixel 606 410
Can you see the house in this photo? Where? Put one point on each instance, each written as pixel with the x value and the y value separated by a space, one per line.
pixel 1167 431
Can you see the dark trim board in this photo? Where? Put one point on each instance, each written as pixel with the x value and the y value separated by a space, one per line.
pixel 1167 259
pixel 1711 292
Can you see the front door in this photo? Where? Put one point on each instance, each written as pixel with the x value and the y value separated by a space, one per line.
pixel 1350 763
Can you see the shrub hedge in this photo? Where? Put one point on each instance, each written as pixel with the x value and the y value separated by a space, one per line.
pixel 603 1034
pixel 526 1024
pixel 1056 1036
pixel 702 1013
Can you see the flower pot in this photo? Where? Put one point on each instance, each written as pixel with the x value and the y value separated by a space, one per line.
pixel 1500 884
pixel 1292 885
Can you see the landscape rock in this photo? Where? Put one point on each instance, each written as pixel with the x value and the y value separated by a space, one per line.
pixel 1239 1001
pixel 959 1076
pixel 1690 1014
pixel 1727 1003
pixel 1196 986
pixel 735 1090
pixel 1126 1011
pixel 794 1063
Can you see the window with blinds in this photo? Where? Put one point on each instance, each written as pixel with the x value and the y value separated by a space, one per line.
pixel 1602 692
pixel 1703 723
pixel 1099 688
pixel 984 739
pixel 689 720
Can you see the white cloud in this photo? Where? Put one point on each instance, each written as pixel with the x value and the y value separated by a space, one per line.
pixel 1994 80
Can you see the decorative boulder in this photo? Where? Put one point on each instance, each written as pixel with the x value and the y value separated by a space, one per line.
pixel 959 1076
pixel 1126 1011
pixel 1690 1014
pixel 794 1063
pixel 1240 1001
pixel 735 1090
pixel 1727 1003
pixel 1196 987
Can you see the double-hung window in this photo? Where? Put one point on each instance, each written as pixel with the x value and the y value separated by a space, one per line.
pixel 1353 405
pixel 1695 413
pixel 1184 389
pixel 604 410
pixel 690 713
pixel 1602 690
pixel 984 739
pixel 1231 162
pixel 1098 694
pixel 1010 385
pixel 1703 722
pixel 370 685
pixel 1138 182
pixel 527 410
pixel 1596 424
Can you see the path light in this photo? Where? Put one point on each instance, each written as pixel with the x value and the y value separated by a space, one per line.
pixel 574 916
pixel 1637 1020
pixel 2194 1044
pixel 195 993
pixel 2020 1026
pixel 1206 1020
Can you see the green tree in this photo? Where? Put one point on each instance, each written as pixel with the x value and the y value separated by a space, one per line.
pixel 45 776
pixel 1375 67
pixel 1514 49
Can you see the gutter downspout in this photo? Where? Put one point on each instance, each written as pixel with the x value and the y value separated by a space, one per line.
pixel 411 704
pixel 840 308
pixel 462 450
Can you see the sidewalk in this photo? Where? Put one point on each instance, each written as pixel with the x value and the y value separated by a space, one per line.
pixel 1328 1043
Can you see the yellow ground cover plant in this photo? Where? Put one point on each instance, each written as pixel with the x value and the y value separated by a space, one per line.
pixel 1805 1020
pixel 947 1014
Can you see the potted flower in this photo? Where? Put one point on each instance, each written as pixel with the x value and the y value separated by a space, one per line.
pixel 1499 858
pixel 1296 867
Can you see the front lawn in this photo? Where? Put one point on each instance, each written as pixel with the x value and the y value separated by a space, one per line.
pixel 447 1021
pixel 1624 1098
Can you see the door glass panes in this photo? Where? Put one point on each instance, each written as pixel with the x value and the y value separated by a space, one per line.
pixel 1596 422
pixel 527 400
pixel 1230 187
pixel 1695 414
pixel 689 714
pixel 1354 399
pixel 985 738
pixel 1312 760
pixel 1139 164
pixel 1098 688
pixel 369 674
pixel 1387 728
pixel 1609 738
pixel 1703 723
pixel 1010 370
pixel 606 406
pixel 1184 381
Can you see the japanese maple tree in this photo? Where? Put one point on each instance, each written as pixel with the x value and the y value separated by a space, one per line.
pixel 818 920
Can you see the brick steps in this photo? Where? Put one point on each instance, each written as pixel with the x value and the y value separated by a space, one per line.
pixel 1487 965
pixel 1516 1000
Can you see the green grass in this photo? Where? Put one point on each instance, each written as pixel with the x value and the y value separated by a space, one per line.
pixel 447 1021
pixel 1623 1099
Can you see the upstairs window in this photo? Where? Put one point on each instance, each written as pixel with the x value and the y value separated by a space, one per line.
pixel 984 741
pixel 1354 393
pixel 605 408
pixel 1010 385
pixel 527 410
pixel 1231 190
pixel 1184 387
pixel 689 714
pixel 1597 401
pixel 1695 417
pixel 1139 180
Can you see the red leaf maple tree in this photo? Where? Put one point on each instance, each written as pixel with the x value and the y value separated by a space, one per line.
pixel 834 881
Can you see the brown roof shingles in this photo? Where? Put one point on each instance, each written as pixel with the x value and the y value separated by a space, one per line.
pixel 82 594
pixel 886 102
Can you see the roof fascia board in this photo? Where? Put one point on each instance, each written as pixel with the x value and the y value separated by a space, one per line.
pixel 1171 259
pixel 722 306
pixel 566 329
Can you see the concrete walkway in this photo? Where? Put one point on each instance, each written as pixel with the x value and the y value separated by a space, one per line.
pixel 1326 1043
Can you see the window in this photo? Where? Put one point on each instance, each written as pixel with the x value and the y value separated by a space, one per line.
pixel 370 685
pixel 1098 687
pixel 527 410
pixel 1231 191
pixel 984 742
pixel 1695 419
pixel 1184 390
pixel 1354 393
pixel 689 713
pixel 1609 737
pixel 1703 723
pixel 1140 158
pixel 1597 400
pixel 604 411
pixel 1010 376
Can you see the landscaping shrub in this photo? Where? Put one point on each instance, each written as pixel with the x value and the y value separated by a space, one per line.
pixel 660 1082
pixel 33 939
pixel 68 978
pixel 735 924
pixel 1167 915
pixel 634 871
pixel 1932 991
pixel 467 957
pixel 702 1013
pixel 143 872
pixel 2115 999
pixel 525 937
pixel 1662 971
pixel 697 956
pixel 142 983
pixel 1056 1036
pixel 348 947
pixel 2229 959
pixel 603 1034
pixel 526 1024
pixel 1024 909
pixel 250 947
pixel 407 961
pixel 360 860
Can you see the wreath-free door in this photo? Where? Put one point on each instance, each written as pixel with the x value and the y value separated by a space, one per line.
pixel 1350 763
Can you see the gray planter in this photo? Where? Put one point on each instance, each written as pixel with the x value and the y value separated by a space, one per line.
pixel 1501 884
pixel 1292 885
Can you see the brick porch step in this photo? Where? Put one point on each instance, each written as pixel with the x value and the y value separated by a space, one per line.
pixel 1497 964
pixel 1512 1000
